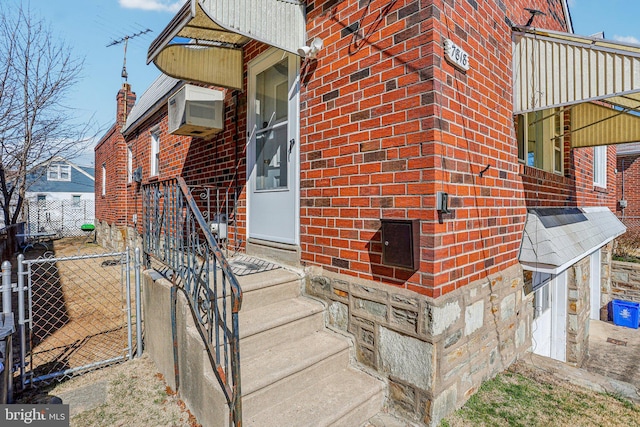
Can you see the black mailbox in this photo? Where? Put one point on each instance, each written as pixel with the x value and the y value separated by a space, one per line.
pixel 401 243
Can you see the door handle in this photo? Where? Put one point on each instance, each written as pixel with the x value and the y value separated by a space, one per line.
pixel 292 142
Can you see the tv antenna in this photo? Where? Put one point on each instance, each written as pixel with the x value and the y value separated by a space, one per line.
pixel 125 40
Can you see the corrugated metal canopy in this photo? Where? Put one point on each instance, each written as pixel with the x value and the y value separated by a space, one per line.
pixel 561 70
pixel 593 125
pixel 553 69
pixel 203 42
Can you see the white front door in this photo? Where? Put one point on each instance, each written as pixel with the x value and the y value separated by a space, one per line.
pixel 542 320
pixel 273 147
pixel 550 316
pixel 595 285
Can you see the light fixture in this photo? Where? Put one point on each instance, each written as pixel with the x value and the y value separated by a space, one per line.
pixel 312 50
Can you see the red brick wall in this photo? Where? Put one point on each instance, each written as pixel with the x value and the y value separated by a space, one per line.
pixel 111 151
pixel 216 162
pixel 387 122
pixel 628 179
pixel 573 188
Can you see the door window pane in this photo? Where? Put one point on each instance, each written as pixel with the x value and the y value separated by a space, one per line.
pixel 271 121
pixel 271 161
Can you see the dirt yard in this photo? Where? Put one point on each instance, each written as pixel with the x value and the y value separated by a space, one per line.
pixel 80 319
pixel 79 307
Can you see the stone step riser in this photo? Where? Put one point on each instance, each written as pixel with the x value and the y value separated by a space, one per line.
pixel 270 295
pixel 286 387
pixel 273 337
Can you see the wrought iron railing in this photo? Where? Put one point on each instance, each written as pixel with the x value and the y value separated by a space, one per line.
pixel 219 208
pixel 177 234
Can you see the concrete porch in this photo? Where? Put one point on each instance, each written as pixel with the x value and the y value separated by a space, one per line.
pixel 294 370
pixel 614 352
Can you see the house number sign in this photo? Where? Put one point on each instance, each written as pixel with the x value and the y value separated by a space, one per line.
pixel 456 55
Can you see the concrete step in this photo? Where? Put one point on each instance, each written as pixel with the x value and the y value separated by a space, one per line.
pixel 284 370
pixel 294 371
pixel 268 288
pixel 271 325
pixel 344 397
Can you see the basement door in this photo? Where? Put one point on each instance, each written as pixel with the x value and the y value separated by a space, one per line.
pixel 273 148
pixel 549 335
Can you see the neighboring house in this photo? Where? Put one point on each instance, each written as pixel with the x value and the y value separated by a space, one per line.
pixel 628 179
pixel 111 163
pixel 60 197
pixel 444 174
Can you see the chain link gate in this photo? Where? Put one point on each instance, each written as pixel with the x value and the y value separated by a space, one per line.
pixel 76 314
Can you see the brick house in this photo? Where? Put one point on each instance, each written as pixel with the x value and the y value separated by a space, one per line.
pixel 628 178
pixel 442 171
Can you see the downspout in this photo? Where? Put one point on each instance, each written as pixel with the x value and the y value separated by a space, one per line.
pixel 623 198
pixel 235 138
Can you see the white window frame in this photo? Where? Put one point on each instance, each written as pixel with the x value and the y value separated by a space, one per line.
pixel 76 200
pixel 155 153
pixel 600 166
pixel 129 165
pixel 55 171
pixel 104 179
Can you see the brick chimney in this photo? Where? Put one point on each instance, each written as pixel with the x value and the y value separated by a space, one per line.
pixel 124 107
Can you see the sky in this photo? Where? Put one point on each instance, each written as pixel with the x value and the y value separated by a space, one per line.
pixel 88 26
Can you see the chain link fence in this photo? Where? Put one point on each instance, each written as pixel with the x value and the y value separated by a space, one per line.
pixel 61 217
pixel 79 314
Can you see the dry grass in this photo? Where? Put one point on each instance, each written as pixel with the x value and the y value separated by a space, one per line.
pixel 136 396
pixel 523 396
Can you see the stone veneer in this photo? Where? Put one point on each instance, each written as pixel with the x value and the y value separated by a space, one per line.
pixel 117 238
pixel 435 353
pixel 578 307
pixel 625 281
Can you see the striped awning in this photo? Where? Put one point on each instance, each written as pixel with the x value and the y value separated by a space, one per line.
pixel 561 70
pixel 203 42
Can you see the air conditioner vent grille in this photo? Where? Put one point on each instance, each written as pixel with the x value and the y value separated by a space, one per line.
pixel 196 111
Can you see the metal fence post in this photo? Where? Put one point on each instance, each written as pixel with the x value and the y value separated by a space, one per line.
pixel 6 310
pixel 128 282
pixel 21 319
pixel 138 303
pixel 6 287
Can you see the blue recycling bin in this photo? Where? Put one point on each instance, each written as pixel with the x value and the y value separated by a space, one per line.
pixel 626 313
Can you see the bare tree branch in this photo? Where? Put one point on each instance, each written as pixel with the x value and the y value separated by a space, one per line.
pixel 37 72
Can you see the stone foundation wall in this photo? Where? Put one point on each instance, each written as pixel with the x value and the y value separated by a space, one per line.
pixel 117 238
pixel 625 281
pixel 435 353
pixel 578 285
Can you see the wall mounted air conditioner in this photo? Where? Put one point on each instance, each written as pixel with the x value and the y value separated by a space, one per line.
pixel 196 111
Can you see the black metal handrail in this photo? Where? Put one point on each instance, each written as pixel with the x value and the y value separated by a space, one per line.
pixel 177 234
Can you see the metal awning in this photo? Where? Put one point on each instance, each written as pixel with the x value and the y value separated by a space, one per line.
pixel 203 42
pixel 593 125
pixel 556 238
pixel 561 70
